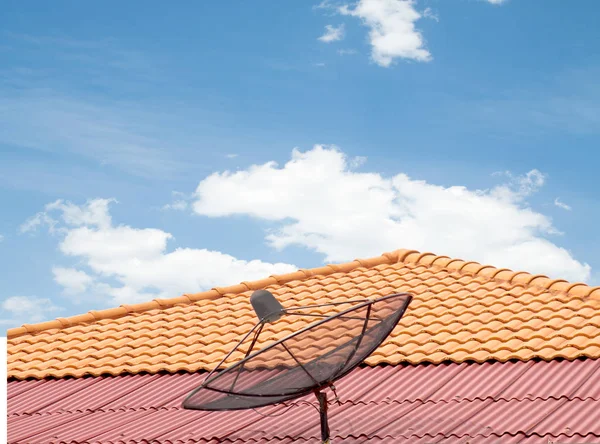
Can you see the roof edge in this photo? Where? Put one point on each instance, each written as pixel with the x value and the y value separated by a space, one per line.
pixel 490 272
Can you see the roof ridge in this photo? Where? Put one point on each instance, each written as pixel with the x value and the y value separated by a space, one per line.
pixel 489 272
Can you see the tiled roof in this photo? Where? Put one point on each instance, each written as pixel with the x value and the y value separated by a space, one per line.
pixel 532 402
pixel 461 311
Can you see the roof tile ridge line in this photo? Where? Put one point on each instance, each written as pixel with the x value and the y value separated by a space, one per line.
pixel 214 293
pixel 491 273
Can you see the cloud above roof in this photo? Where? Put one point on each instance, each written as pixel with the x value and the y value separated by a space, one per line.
pixel 133 264
pixel 27 309
pixel 321 203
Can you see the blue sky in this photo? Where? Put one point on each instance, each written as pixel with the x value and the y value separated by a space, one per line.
pixel 147 150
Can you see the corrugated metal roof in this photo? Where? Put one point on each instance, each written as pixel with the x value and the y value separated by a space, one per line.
pixel 556 401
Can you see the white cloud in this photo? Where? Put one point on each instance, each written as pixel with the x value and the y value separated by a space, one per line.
pixel 519 187
pixel 562 205
pixel 496 2
pixel 346 51
pixel 332 33
pixel 1 237
pixel 325 4
pixel 29 309
pixel 428 12
pixel 180 202
pixel 35 221
pixel 74 281
pixel 178 205
pixel 138 259
pixel 94 213
pixel 320 203
pixel 231 156
pixel 357 161
pixel 531 182
pixel 392 29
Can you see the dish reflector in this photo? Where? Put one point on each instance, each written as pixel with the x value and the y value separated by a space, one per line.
pixel 305 361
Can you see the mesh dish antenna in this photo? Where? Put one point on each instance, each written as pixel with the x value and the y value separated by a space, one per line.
pixel 331 341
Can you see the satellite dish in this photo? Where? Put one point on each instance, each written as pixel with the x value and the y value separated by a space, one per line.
pixel 307 360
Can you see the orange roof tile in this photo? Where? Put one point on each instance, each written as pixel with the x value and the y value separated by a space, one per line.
pixel 461 311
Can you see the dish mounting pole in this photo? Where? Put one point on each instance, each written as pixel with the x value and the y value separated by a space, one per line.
pixel 322 398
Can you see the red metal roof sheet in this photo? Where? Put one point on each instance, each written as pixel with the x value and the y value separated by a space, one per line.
pixel 556 401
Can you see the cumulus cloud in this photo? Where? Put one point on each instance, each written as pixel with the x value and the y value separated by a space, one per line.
pixel 94 213
pixel 28 308
pixel 138 258
pixel 392 30
pixel 319 202
pixel 332 33
pixel 73 281
pixel 393 33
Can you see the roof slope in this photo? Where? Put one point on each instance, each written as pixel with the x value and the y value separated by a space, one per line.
pixel 450 403
pixel 461 311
